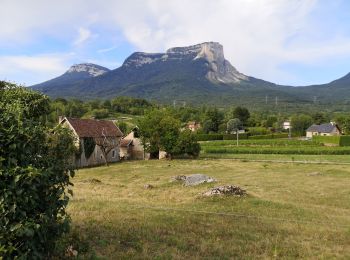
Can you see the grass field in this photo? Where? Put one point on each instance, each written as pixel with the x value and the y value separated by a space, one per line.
pixel 292 211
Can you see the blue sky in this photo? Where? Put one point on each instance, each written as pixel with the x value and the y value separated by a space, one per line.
pixel 291 42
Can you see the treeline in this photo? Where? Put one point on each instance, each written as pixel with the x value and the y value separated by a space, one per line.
pixel 212 119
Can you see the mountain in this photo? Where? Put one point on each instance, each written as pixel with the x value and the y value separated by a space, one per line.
pixel 75 74
pixel 197 74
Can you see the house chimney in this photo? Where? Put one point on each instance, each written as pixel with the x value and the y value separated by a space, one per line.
pixel 60 118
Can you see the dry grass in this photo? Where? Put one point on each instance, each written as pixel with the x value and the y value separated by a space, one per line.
pixel 292 211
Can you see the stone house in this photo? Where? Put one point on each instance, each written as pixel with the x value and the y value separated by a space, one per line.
pixel 98 140
pixel 328 129
pixel 193 126
pixel 131 148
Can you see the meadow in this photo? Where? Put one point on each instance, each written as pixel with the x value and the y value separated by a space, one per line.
pixel 291 210
pixel 271 146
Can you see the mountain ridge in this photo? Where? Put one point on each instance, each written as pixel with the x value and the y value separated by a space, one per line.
pixel 186 73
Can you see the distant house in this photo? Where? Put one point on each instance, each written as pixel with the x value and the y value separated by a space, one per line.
pixel 328 129
pixel 131 147
pixel 193 126
pixel 98 140
pixel 286 125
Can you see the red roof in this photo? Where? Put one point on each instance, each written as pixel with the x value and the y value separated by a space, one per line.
pixel 94 127
pixel 125 142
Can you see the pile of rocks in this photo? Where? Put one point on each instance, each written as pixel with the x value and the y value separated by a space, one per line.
pixel 226 190
pixel 194 179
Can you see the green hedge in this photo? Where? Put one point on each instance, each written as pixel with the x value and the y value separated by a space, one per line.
pixel 271 136
pixel 213 137
pixel 344 140
pixel 234 137
pixel 279 150
pixel 209 137
pixel 341 140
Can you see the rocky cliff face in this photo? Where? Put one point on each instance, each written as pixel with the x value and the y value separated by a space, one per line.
pixel 219 69
pixel 92 69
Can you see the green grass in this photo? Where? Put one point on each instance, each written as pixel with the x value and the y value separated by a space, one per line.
pixel 291 211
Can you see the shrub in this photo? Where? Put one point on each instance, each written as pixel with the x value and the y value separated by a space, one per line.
pixel 209 137
pixel 234 137
pixel 342 140
pixel 271 136
pixel 258 131
pixel 35 168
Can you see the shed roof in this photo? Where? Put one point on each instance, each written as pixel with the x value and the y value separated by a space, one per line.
pixel 125 142
pixel 93 127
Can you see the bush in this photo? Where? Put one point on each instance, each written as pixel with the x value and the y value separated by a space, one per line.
pixel 279 150
pixel 35 168
pixel 342 140
pixel 209 137
pixel 271 136
pixel 258 131
pixel 234 137
pixel 187 144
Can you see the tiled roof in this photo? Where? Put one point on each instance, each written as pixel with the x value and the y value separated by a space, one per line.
pixel 125 142
pixel 324 128
pixel 94 128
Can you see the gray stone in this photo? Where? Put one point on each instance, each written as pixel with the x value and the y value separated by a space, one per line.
pixel 148 186
pixel 226 190
pixel 197 179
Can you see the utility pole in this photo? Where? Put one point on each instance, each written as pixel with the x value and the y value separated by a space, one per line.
pixel 174 103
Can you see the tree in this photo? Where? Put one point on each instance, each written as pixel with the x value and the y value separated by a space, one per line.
pixel 35 170
pixel 159 130
pixel 213 119
pixel 242 114
pixel 319 118
pixel 187 144
pixel 300 123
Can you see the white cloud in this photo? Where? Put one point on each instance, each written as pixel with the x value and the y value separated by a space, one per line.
pixel 83 36
pixel 29 70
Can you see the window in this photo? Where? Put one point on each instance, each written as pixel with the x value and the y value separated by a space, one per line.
pixel 113 153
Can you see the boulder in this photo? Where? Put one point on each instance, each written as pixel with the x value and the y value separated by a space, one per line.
pixel 148 186
pixel 226 190
pixel 196 179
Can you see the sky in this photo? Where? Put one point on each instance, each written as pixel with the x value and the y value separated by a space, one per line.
pixel 289 42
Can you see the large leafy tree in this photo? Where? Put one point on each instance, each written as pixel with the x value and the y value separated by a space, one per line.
pixel 242 114
pixel 35 168
pixel 159 130
pixel 300 123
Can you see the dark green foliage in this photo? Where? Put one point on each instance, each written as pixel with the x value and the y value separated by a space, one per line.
pixel 89 146
pixel 280 150
pixel 300 123
pixel 342 140
pixel 159 130
pixel 234 137
pixel 187 144
pixel 35 168
pixel 242 114
pixel 129 105
pixel 271 136
pixel 258 131
pixel 209 137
